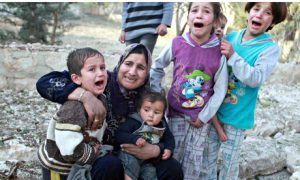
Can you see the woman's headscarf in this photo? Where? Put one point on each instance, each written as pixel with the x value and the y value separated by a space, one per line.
pixel 123 101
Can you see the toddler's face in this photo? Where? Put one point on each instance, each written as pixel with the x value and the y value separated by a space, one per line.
pixel 219 28
pixel 152 112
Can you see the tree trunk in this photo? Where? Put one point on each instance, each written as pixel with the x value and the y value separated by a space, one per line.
pixel 180 10
pixel 55 24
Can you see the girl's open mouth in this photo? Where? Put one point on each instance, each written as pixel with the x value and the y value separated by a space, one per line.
pixel 198 25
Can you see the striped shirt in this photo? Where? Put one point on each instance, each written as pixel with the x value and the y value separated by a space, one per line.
pixel 68 141
pixel 141 18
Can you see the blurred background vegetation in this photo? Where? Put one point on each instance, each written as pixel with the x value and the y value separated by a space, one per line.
pixel 46 22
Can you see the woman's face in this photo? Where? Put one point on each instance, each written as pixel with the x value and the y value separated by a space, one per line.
pixel 133 72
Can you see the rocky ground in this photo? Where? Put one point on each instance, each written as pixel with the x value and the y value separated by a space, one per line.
pixel 271 150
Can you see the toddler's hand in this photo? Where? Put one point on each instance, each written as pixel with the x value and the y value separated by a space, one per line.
pixel 196 124
pixel 140 142
pixel 166 155
pixel 226 48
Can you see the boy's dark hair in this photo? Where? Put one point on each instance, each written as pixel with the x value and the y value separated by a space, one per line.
pixel 217 8
pixel 151 96
pixel 279 11
pixel 76 59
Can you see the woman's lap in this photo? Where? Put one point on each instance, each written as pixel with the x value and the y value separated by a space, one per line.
pixel 108 167
pixel 169 169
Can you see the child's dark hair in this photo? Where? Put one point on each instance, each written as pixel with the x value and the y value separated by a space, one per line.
pixel 76 59
pixel 279 11
pixel 222 17
pixel 151 96
pixel 217 8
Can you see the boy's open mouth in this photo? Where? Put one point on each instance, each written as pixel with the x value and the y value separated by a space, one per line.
pixel 99 83
pixel 198 25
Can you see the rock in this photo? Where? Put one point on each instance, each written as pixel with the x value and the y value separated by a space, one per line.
pixel 281 175
pixel 293 158
pixel 295 124
pixel 295 176
pixel 260 157
pixel 268 130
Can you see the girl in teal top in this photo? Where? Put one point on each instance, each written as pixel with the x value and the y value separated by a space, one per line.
pixel 251 56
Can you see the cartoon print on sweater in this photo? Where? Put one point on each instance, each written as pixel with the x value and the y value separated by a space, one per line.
pixel 177 85
pixel 191 89
pixel 232 81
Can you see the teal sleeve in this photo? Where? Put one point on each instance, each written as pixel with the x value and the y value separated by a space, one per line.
pixel 254 76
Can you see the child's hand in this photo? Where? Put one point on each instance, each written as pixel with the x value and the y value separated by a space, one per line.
pixel 140 142
pixel 196 124
pixel 226 48
pixel 166 155
pixel 222 136
pixel 161 30
pixel 96 148
pixel 122 37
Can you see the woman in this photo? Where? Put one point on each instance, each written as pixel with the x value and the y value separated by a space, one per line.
pixel 125 84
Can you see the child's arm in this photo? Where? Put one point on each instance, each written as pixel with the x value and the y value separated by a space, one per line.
pixel 123 23
pixel 124 15
pixel 220 88
pixel 167 141
pixel 157 69
pixel 254 76
pixel 167 13
pixel 56 86
pixel 216 123
pixel 70 121
pixel 124 132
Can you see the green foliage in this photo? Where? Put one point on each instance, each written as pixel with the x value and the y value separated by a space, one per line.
pixel 37 18
pixel 239 15
pixel 101 8
pixel 6 35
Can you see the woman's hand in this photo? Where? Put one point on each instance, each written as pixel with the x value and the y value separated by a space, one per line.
pixel 95 109
pixel 146 152
pixel 93 106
